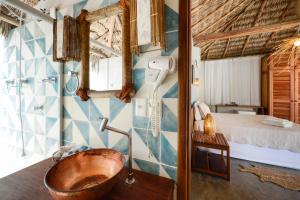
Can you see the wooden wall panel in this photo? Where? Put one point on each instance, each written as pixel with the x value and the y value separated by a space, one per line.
pixel 297 95
pixel 297 86
pixel 281 88
pixel 265 84
pixel 184 102
pixel 284 86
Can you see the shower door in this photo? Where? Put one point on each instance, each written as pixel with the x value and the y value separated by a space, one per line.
pixel 30 97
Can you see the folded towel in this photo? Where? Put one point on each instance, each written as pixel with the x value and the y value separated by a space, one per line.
pixel 199 125
pixel 273 121
pixel 197 114
pixel 271 118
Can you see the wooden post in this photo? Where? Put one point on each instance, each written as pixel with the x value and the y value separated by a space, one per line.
pixel 270 61
pixel 297 7
pixel 84 27
pixel 127 91
pixel 292 83
pixel 9 20
pixel 126 55
pixel 184 102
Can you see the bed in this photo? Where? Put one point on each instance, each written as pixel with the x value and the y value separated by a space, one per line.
pixel 252 140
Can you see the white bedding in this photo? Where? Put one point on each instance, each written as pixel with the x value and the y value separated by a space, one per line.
pixel 248 129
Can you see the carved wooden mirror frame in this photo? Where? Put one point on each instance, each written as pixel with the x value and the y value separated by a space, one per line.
pixel 85 19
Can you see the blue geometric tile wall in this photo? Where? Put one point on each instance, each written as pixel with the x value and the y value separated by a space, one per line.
pixel 41 127
pixel 81 119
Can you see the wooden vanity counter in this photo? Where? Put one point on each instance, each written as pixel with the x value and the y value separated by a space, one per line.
pixel 28 184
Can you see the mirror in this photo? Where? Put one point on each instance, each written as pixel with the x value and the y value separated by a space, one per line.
pixel 105 53
pixel 106 56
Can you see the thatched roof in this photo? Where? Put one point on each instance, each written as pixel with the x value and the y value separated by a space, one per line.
pixel 210 17
pixel 108 32
pixel 10 16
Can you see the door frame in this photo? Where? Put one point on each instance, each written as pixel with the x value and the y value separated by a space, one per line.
pixel 184 102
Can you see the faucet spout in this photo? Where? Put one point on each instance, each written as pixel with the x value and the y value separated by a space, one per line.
pixel 130 179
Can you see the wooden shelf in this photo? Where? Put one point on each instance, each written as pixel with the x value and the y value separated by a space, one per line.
pixel 211 163
pixel 217 163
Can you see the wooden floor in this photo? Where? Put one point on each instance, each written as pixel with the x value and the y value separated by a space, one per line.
pixel 243 186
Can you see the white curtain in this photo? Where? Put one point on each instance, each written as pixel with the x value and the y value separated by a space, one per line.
pixel 232 80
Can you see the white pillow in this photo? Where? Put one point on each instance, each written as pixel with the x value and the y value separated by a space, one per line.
pixel 204 110
pixel 199 125
pixel 197 113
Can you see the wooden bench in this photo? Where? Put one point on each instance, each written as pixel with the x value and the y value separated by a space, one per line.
pixel 211 163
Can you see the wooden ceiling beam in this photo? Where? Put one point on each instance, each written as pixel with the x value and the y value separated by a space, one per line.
pixel 249 31
pixel 228 41
pixel 228 26
pixel 9 20
pixel 218 9
pixel 281 19
pixel 99 45
pixel 196 8
pixel 242 4
pixel 226 48
pixel 111 28
pixel 259 13
pixel 297 7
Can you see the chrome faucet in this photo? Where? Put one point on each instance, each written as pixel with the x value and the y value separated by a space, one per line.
pixel 35 108
pixel 130 179
pixel 49 80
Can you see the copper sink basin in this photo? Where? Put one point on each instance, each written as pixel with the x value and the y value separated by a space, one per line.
pixel 85 175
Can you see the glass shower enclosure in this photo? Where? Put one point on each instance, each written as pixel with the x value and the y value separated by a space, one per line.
pixel 30 97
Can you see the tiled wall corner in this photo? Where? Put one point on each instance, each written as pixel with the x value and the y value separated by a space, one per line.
pixel 81 119
pixel 41 127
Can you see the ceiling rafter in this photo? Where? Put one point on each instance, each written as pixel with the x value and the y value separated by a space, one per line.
pixel 218 9
pixel 242 4
pixel 259 13
pixel 196 8
pixel 229 25
pixel 9 20
pixel 280 20
pixel 111 28
pixel 107 33
pixel 250 31
pixel 256 24
pixel 226 48
pixel 228 41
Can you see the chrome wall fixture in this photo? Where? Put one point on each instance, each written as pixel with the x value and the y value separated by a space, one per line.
pixel 49 80
pixel 10 83
pixel 72 75
pixel 36 108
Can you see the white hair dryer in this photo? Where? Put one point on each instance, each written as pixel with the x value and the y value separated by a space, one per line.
pixel 157 70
